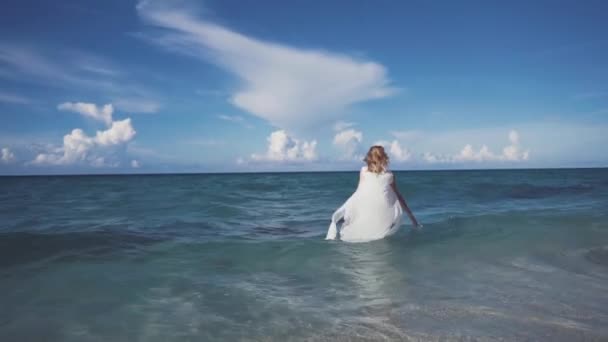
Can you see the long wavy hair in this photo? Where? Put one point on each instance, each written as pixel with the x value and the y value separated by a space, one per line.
pixel 376 159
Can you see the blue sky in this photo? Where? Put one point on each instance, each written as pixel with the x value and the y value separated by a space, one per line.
pixel 215 86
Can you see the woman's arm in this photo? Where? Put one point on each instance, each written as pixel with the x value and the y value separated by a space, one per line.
pixel 403 203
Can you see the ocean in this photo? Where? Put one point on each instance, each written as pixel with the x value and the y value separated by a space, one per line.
pixel 510 255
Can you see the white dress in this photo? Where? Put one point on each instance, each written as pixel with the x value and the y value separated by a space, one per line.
pixel 371 213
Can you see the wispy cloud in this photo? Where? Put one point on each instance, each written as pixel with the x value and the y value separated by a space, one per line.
pixel 89 110
pixel 74 69
pixel 95 64
pixel 26 64
pixel 235 119
pixel 287 86
pixel 13 98
pixel 209 142
pixel 342 125
pixel 232 118
pixel 591 95
pixel 407 135
pixel 137 105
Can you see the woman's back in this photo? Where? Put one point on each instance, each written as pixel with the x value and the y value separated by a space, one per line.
pixel 372 211
pixel 375 209
pixel 372 181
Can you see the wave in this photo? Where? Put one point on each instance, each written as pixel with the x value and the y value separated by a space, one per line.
pixel 598 255
pixel 526 190
pixel 464 235
pixel 25 247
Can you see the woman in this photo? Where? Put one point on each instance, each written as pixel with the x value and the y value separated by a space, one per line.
pixel 374 211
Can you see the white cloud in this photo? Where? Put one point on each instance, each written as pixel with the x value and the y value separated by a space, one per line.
pixel 103 114
pixel 287 86
pixel 78 147
pixel 349 143
pixel 81 148
pixel 135 164
pixel 7 155
pixel 12 98
pixel 512 153
pixel 432 158
pixel 468 154
pixel 120 132
pixel 395 151
pixel 399 153
pixel 282 147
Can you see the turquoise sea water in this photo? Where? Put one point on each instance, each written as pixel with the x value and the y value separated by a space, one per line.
pixel 517 255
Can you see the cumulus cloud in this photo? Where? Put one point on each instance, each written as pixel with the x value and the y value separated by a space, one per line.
pixel 120 132
pixel 395 151
pixel 284 148
pixel 512 152
pixel 349 143
pixel 287 86
pixel 103 114
pixel 432 158
pixel 135 164
pixel 78 147
pixel 7 156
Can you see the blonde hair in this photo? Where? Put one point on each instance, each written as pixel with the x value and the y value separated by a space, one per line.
pixel 376 159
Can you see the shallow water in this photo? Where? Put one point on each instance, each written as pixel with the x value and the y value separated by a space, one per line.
pixel 511 255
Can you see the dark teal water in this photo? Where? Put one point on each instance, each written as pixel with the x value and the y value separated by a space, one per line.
pixel 503 255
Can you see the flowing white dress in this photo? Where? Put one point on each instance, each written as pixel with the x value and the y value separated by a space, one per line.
pixel 371 213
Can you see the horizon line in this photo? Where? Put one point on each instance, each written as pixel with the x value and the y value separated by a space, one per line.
pixel 290 172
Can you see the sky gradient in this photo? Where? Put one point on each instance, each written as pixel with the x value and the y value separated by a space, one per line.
pixel 229 86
